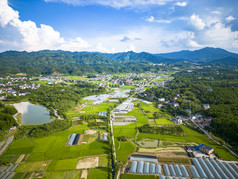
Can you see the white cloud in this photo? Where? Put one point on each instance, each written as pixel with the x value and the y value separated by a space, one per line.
pixel 220 35
pixel 150 19
pixel 230 18
pixel 197 22
pixel 33 37
pixel 7 14
pixel 182 4
pixel 114 3
pixel 216 12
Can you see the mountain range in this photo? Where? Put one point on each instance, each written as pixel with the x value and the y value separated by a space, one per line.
pixel 49 61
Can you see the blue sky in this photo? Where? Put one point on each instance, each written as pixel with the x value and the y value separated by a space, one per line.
pixel 154 26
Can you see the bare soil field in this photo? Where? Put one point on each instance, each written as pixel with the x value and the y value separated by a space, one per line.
pixel 91 162
pixel 161 150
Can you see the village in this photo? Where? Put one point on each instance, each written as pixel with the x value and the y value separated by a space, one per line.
pixel 145 140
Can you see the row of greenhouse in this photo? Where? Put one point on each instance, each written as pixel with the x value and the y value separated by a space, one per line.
pixel 145 168
pixel 7 172
pixel 209 168
pixel 201 168
pixel 73 140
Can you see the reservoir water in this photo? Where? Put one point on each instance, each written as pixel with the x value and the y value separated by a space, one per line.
pixel 33 114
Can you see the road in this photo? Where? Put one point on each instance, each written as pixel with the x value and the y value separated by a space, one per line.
pixel 210 137
pixel 111 124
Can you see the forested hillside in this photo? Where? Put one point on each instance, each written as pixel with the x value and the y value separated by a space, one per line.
pixel 48 62
pixel 207 54
pixel 214 86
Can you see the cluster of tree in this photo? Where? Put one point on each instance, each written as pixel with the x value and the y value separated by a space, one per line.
pixel 122 138
pixel 163 130
pixel 215 86
pixel 6 118
pixel 88 117
pixel 63 98
pixel 44 129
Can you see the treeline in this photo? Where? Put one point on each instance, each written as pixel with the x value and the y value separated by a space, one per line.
pixel 6 118
pixel 91 119
pixel 44 129
pixel 64 97
pixel 164 130
pixel 48 62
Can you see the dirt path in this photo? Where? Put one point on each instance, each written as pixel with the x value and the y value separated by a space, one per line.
pixel 20 158
pixel 84 174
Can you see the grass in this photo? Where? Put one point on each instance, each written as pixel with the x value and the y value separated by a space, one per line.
pixel 99 173
pixel 76 77
pixel 159 79
pixel 150 115
pixel 163 121
pixel 103 161
pixel 73 174
pixel 20 176
pixel 32 166
pixel 67 164
pixel 53 147
pixel 78 129
pixel 19 116
pixel 192 136
pixel 127 87
pixel 95 109
pixel 152 108
pixel 126 148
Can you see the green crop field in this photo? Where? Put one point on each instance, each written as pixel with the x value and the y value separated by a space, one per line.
pixel 99 173
pixel 72 174
pixel 159 79
pixel 76 77
pixel 78 129
pixel 124 150
pixel 149 107
pixel 150 115
pixel 192 136
pixel 67 164
pixel 53 147
pixel 103 161
pixel 32 166
pixel 94 109
pixel 127 87
pixel 163 121
pixel 21 175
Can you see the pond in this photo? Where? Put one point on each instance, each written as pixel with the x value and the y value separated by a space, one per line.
pixel 33 114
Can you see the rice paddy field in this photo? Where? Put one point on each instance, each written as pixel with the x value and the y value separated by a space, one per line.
pixel 51 154
pixel 50 157
pixel 74 174
pixel 99 173
pixel 192 136
pixel 129 131
pixel 163 121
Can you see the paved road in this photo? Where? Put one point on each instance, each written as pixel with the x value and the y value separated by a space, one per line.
pixel 111 123
pixel 210 137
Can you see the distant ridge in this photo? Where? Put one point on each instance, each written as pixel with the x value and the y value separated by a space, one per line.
pixel 78 63
pixel 133 56
pixel 207 54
